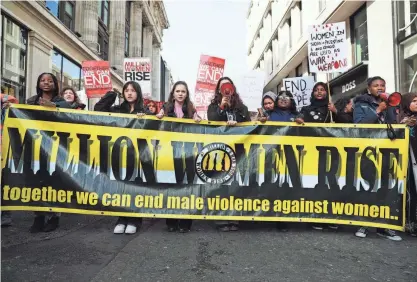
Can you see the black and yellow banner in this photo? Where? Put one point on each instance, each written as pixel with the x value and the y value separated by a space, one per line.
pixel 114 164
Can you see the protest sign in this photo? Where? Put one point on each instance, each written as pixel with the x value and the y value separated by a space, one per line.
pixel 139 70
pixel 97 80
pixel 250 88
pixel 327 48
pixel 210 70
pixel 62 160
pixel 301 88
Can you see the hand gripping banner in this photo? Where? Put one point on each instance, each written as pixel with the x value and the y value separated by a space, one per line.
pixel 122 165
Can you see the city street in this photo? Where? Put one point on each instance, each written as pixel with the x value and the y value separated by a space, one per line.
pixel 84 249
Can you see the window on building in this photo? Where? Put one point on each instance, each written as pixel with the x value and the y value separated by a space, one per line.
pixel 299 70
pixel 289 33
pixel 359 35
pixel 300 8
pixel 9 55
pixel 67 72
pixel 322 5
pixel 14 40
pixel 103 12
pixel 406 11
pixel 127 28
pixel 103 31
pixel 64 11
pixel 9 27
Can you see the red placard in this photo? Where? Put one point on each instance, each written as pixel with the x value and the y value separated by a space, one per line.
pixel 210 70
pixel 97 79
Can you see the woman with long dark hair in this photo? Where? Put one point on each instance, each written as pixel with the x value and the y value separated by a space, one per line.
pixel 132 104
pixel 71 97
pixel 227 106
pixel 47 94
pixel 179 105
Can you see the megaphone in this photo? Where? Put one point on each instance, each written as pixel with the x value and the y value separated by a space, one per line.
pixel 392 100
pixel 227 89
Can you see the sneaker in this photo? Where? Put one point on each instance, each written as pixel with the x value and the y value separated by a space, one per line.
pixel 52 224
pixel 184 230
pixel 130 229
pixel 38 224
pixel 233 227
pixel 317 227
pixel 119 228
pixel 223 228
pixel 389 234
pixel 333 226
pixel 362 232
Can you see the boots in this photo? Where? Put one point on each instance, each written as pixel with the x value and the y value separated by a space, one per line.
pixel 38 224
pixel 52 224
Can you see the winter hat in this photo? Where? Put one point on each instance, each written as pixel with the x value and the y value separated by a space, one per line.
pixel 269 94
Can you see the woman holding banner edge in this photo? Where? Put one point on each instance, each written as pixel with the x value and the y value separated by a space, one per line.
pixel 133 104
pixel 227 106
pixel 179 105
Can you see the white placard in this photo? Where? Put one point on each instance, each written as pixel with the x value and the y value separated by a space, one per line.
pixel 301 88
pixel 327 48
pixel 139 70
pixel 250 88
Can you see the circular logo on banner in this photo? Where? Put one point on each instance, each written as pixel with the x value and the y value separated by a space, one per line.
pixel 216 163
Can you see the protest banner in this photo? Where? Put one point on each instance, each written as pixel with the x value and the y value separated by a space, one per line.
pixel 139 70
pixel 210 70
pixel 250 87
pixel 97 79
pixel 114 164
pixel 301 88
pixel 327 48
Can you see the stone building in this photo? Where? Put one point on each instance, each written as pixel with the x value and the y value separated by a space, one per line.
pixel 277 41
pixel 57 36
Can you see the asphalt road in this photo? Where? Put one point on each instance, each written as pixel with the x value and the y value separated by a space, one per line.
pixel 84 249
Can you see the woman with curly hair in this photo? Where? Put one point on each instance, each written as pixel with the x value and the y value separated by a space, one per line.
pixel 71 97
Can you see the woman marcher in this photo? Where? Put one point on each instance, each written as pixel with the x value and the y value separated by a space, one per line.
pixel 408 116
pixel 132 104
pixel 371 109
pixel 179 105
pixel 228 108
pixel 151 108
pixel 71 97
pixel 267 106
pixel 318 111
pixel 342 110
pixel 47 94
pixel 284 107
pixel 6 100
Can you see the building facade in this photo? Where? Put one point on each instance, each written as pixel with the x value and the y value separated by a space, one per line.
pixel 278 38
pixel 57 36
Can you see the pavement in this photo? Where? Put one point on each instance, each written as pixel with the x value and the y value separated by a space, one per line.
pixel 85 249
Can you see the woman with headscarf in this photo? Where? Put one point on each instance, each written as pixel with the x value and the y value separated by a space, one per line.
pixel 408 116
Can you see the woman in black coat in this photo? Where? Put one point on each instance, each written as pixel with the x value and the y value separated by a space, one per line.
pixel 132 104
pixel 227 106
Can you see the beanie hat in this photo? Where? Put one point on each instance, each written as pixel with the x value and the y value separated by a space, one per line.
pixel 271 95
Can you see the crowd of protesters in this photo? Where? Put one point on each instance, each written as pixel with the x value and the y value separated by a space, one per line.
pixel 227 106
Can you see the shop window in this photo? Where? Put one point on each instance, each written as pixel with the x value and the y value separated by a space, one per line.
pixel 359 35
pixel 14 40
pixel 67 72
pixel 64 11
